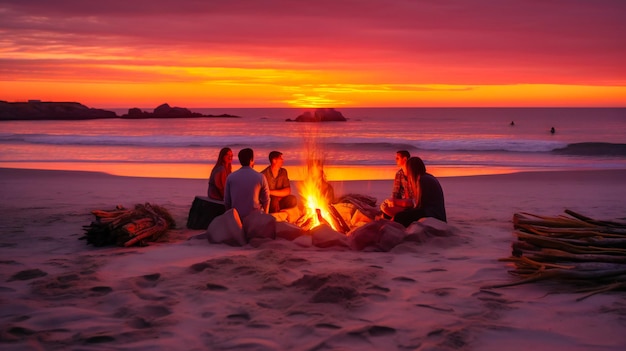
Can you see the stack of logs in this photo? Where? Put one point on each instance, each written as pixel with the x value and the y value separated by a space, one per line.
pixel 589 253
pixel 127 227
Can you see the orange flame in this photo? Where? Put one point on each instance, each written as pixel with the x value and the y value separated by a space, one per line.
pixel 317 195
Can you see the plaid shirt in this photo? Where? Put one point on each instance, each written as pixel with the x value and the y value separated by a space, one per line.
pixel 401 189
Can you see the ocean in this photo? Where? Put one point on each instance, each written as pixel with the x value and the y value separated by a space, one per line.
pixel 451 141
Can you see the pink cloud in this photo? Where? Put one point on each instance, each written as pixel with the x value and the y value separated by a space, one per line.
pixel 462 42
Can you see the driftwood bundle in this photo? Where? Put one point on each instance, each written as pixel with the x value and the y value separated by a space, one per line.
pixel 364 203
pixel 589 253
pixel 127 227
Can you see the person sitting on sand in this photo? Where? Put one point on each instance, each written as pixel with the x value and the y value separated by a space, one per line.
pixel 246 189
pixel 278 181
pixel 223 167
pixel 401 195
pixel 427 197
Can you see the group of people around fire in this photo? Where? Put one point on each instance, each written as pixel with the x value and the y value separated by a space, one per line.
pixel 416 193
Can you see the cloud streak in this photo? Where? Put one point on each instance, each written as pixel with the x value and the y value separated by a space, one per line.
pixel 483 42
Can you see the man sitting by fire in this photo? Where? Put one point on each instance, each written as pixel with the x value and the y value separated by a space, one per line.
pixel 278 181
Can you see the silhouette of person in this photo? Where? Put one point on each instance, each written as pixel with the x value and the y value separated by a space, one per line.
pixel 552 130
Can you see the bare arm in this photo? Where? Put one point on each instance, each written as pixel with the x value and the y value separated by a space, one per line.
pixel 400 202
pixel 281 192
pixel 284 185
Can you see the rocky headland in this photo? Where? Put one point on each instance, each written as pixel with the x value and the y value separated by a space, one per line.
pixel 38 110
pixel 44 110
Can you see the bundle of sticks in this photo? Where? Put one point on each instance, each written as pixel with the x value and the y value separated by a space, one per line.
pixel 127 227
pixel 589 253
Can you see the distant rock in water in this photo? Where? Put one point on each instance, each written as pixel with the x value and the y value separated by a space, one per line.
pixel 38 110
pixel 320 115
pixel 166 111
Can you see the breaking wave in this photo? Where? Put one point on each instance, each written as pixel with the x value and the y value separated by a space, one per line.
pixel 347 143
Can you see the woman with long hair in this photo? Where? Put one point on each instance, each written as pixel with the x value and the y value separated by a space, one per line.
pixel 428 198
pixel 223 167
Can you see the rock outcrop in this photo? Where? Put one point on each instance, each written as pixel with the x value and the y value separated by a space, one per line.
pixel 166 111
pixel 38 110
pixel 162 111
pixel 320 115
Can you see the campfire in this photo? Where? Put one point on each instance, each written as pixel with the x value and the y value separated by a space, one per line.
pixel 317 197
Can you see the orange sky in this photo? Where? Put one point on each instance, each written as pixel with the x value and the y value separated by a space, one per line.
pixel 335 53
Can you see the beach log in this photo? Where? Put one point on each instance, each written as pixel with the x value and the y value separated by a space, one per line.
pixel 558 244
pixel 555 222
pixel 596 222
pixel 559 255
pixel 562 274
pixel 159 228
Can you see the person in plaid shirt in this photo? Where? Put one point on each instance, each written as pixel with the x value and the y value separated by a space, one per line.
pixel 401 195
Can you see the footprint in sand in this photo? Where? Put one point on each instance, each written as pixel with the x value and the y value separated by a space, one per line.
pixel 404 279
pixel 98 339
pixel 28 274
pixel 327 326
pixel 238 318
pixel 335 294
pixel 373 330
pixel 148 280
pixel 101 290
pixel 156 311
pixel 139 323
pixel 215 287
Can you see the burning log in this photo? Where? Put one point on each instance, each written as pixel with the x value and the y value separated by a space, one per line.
pixel 318 198
pixel 339 222
pixel 305 222
pixel 309 221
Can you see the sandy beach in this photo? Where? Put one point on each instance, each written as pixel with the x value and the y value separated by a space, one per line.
pixel 58 293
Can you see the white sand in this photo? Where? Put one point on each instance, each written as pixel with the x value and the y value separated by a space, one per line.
pixel 192 295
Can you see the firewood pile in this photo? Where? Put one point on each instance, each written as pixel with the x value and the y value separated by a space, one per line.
pixel 586 253
pixel 364 203
pixel 343 214
pixel 128 227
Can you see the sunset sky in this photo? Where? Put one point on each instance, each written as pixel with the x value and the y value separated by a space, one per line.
pixel 289 53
